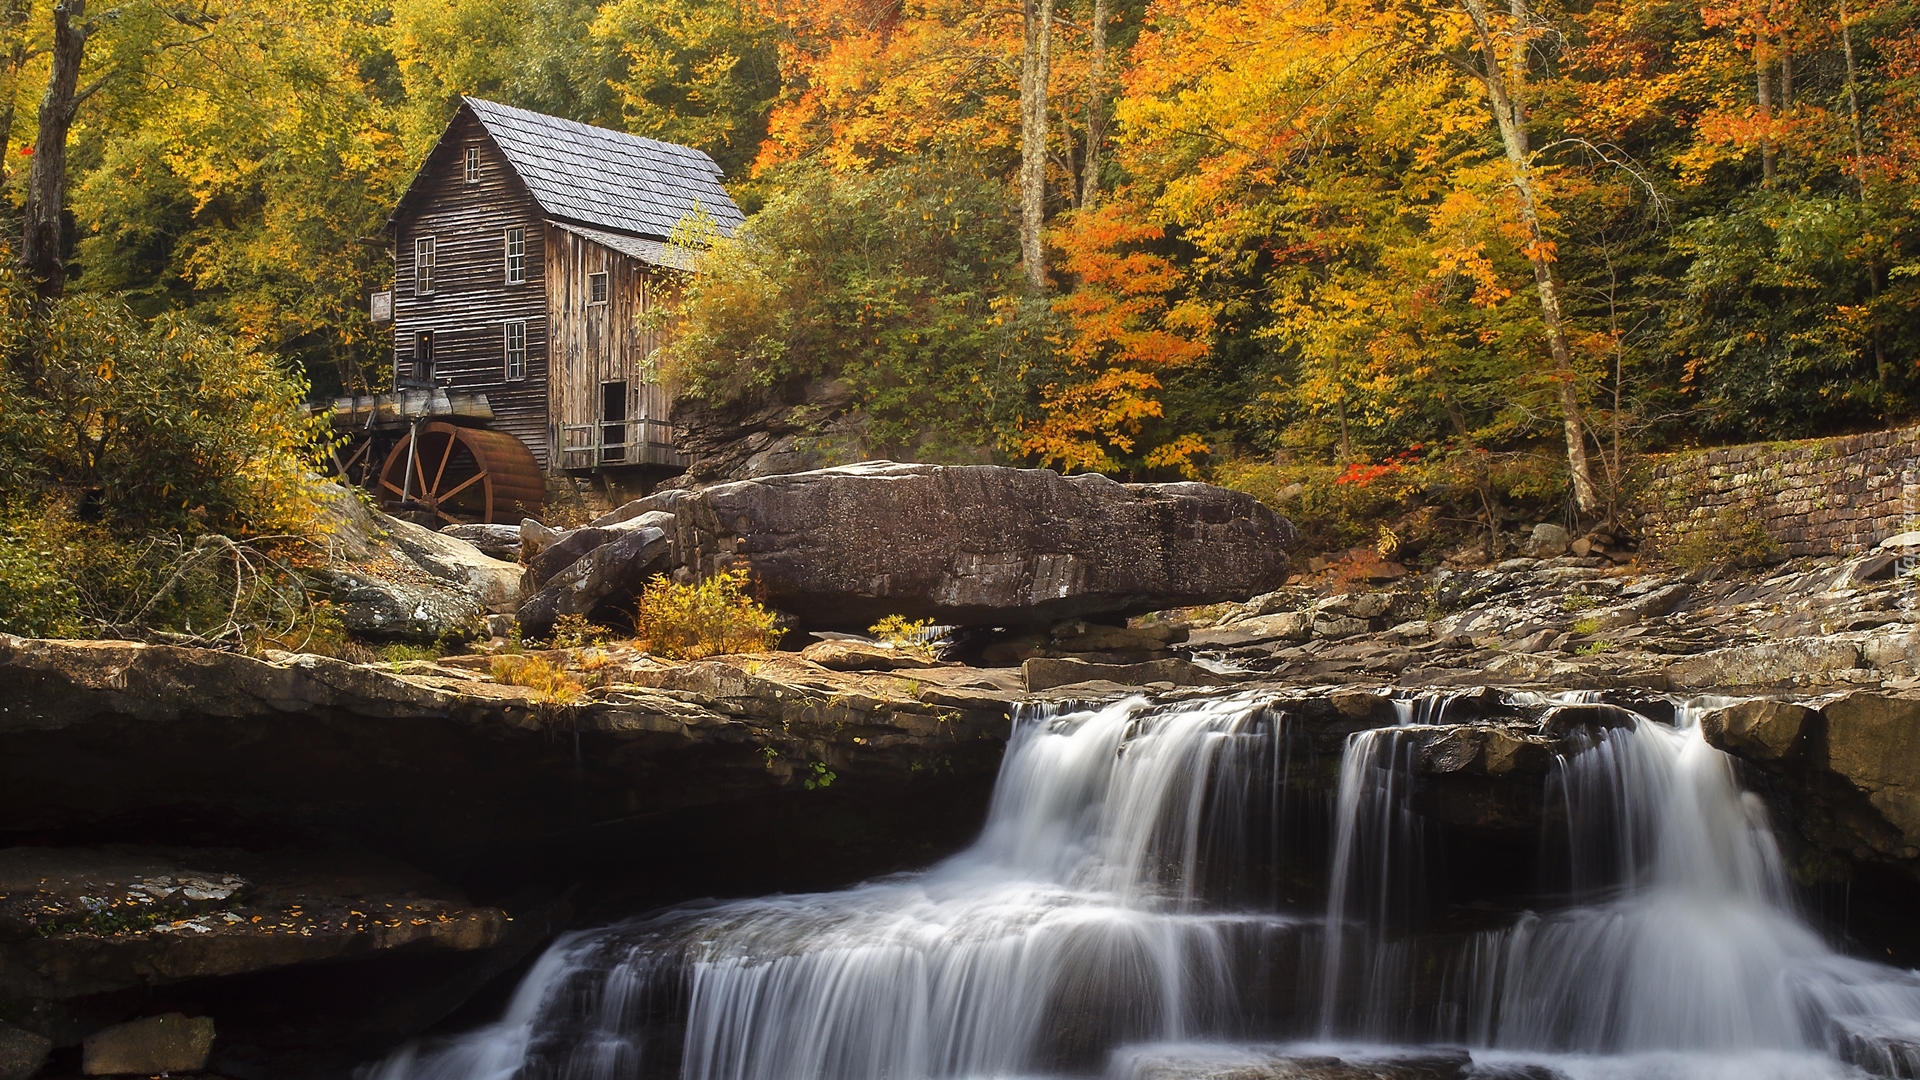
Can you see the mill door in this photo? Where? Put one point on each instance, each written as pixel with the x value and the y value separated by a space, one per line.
pixel 613 421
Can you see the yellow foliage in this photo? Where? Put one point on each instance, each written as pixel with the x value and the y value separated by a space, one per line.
pixel 715 617
pixel 552 683
pixel 903 633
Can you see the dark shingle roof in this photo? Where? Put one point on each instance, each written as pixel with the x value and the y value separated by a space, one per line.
pixel 594 176
pixel 651 252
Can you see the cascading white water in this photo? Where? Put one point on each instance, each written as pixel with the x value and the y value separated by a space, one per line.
pixel 1121 898
pixel 1683 937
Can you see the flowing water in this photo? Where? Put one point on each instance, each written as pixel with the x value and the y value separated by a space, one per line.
pixel 1131 910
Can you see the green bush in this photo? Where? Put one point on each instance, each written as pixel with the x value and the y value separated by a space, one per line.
pixel 902 283
pixel 154 476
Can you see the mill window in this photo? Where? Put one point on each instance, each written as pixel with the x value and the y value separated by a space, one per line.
pixel 473 164
pixel 516 350
pixel 423 358
pixel 596 288
pixel 423 266
pixel 516 256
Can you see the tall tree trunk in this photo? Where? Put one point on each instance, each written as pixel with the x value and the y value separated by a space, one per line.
pixel 1513 134
pixel 1036 67
pixel 47 179
pixel 1096 105
pixel 1763 93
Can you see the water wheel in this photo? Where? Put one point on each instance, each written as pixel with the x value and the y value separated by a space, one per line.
pixel 462 474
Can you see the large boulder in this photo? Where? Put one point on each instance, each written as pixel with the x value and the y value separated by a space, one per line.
pixel 613 572
pixel 22 1053
pixel 981 545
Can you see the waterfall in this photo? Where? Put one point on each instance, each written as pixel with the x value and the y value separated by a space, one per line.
pixel 1122 910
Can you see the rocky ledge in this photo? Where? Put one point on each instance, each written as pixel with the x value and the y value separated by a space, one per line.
pixel 1810 625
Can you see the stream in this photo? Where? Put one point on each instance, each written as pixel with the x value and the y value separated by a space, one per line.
pixel 1125 912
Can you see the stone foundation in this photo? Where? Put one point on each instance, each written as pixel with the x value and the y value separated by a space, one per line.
pixel 1813 497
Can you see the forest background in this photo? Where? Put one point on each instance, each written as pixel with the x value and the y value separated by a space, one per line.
pixel 1401 266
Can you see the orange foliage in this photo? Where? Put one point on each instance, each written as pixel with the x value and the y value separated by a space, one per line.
pixel 1126 324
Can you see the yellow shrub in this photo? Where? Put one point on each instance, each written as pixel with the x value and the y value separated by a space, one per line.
pixel 903 633
pixel 551 682
pixel 715 617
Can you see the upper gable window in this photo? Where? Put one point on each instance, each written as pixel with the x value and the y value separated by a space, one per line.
pixel 423 257
pixel 597 288
pixel 516 255
pixel 473 164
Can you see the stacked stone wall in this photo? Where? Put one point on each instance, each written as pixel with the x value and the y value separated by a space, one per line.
pixel 1813 497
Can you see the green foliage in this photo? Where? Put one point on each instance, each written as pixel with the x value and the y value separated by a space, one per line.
pixel 715 617
pixel 154 476
pixel 37 596
pixel 897 282
pixel 819 776
pixel 700 72
pixel 1732 537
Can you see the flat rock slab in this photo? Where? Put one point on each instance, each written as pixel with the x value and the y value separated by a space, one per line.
pixel 155 1045
pixel 77 921
pixel 981 545
pixel 1045 673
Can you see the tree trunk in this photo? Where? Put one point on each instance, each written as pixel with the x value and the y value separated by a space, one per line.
pixel 1036 63
pixel 1513 134
pixel 1763 93
pixel 47 179
pixel 1096 105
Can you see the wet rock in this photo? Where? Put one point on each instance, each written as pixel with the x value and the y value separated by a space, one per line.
pixel 494 541
pixel 614 572
pixel 22 1053
pixel 1759 730
pixel 1230 1063
pixel 1045 673
pixel 982 545
pixel 864 656
pixel 158 1044
pixel 1873 741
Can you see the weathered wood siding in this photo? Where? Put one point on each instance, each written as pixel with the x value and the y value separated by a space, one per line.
pixel 471 300
pixel 594 344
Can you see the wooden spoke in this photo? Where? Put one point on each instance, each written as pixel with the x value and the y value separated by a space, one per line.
pixel 462 486
pixel 445 456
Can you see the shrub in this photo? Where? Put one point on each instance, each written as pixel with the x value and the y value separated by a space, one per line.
pixel 551 683
pixel 715 617
pixel 578 632
pixel 1732 537
pixel 903 633
pixel 155 477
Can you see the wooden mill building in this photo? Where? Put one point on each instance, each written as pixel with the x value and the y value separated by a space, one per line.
pixel 526 251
